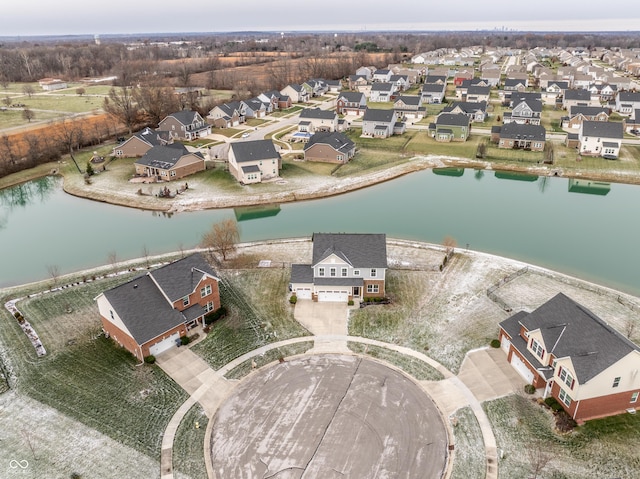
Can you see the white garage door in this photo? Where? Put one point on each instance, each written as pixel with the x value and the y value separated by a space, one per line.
pixel 505 344
pixel 164 344
pixel 338 296
pixel 303 293
pixel 522 369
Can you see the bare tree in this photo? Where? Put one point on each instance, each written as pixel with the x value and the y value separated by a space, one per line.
pixel 80 91
pixel 223 238
pixel 28 90
pixel 449 243
pixel 54 272
pixel 120 105
pixel 156 102
pixel 145 255
pixel 28 114
pixel 7 100
pixel 538 456
pixel 69 135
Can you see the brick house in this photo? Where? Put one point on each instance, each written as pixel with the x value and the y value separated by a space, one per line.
pixel 329 147
pixel 169 162
pixel 149 314
pixel 185 125
pixel 589 367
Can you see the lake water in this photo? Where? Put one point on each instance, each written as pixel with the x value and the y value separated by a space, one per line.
pixel 586 229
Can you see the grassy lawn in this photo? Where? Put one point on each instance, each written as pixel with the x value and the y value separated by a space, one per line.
pixel 601 448
pixel 494 153
pixel 219 178
pixel 228 132
pixel 305 168
pixel 256 122
pixel 551 119
pixel 469 460
pixel 270 356
pixel 188 444
pixel 86 376
pixel 369 160
pixel 11 118
pixel 19 87
pixel 410 365
pixel 62 103
pixel 259 313
pixel 288 111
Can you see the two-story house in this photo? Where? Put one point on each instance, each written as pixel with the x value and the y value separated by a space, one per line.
pixel 627 102
pixel 185 125
pixel 450 127
pixel 315 119
pixel 585 364
pixel 525 111
pixel 519 136
pixel 381 123
pixel 296 92
pixel 382 92
pixel 344 267
pixel 149 314
pixel 141 142
pixel 228 115
pixel 600 138
pixel 578 114
pixel 476 111
pixel 254 161
pixel 351 103
pixel 433 92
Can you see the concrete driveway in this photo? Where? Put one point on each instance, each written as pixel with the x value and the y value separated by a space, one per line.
pixel 488 375
pixel 322 318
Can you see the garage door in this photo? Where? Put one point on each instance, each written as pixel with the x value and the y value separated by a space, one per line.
pixel 338 296
pixel 505 344
pixel 522 369
pixel 164 344
pixel 303 293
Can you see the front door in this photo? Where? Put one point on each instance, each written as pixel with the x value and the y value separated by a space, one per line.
pixel 356 291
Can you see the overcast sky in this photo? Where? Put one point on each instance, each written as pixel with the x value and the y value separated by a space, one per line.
pixel 63 17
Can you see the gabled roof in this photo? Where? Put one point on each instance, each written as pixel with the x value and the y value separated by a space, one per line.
pixel 534 105
pixel 335 140
pixel 570 330
pixel 466 106
pixel 351 96
pixel 433 88
pixel 359 250
pixel 318 114
pixel 382 86
pixel 142 302
pixel 163 156
pixel 254 150
pixel 478 90
pixel 577 94
pixel 452 119
pixel 378 115
pixel 587 110
pixel 629 96
pixel 152 137
pixel 186 117
pixel 514 82
pixel 413 100
pixel 603 129
pixel 516 131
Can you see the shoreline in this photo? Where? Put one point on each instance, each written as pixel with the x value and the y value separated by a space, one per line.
pixel 322 188
pixel 338 186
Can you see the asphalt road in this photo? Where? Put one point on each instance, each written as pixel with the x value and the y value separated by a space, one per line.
pixel 328 416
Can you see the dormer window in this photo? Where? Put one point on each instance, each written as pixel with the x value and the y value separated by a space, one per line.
pixel 537 348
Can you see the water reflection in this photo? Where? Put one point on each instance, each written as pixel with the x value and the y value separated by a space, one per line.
pixel 448 171
pixel 246 213
pixel 514 175
pixel 21 196
pixel 589 187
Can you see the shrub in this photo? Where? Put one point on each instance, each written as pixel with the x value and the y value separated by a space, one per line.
pixel 529 388
pixel 495 343
pixel 184 340
pixel 150 359
pixel 350 302
pixel 209 318
pixel 293 299
pixel 553 404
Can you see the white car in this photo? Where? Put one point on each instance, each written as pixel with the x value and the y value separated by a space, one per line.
pixel 245 135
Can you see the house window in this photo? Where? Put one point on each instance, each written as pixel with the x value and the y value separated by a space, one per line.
pixel 356 272
pixel 343 272
pixel 537 348
pixel 320 271
pixel 332 272
pixel 185 301
pixel 566 377
pixel 118 152
pixel 173 173
pixel 634 397
pixel 208 307
pixel 206 291
pixel 373 272
pixel 616 382
pixel 372 288
pixel 112 317
pixel 564 397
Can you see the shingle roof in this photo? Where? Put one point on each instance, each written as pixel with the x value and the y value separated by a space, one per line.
pixel 577 94
pixel 359 250
pixel 433 88
pixel 318 114
pixel 413 100
pixel 587 110
pixel 143 307
pixel 336 140
pixel 522 132
pixel 466 106
pixel 163 156
pixel 254 150
pixel 301 273
pixel 150 136
pixel 378 115
pixel 571 330
pixel 382 86
pixel 603 129
pixel 452 119
pixel 351 96
pixel 186 117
